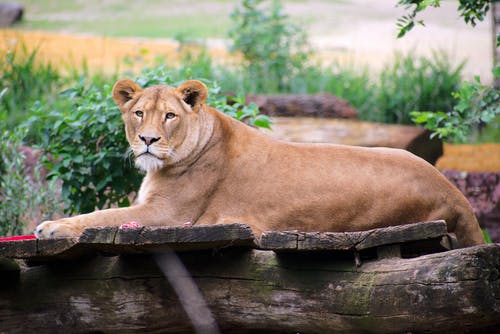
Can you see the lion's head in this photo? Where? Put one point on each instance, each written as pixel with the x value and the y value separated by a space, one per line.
pixel 164 125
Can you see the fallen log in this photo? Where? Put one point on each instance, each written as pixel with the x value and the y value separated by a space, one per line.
pixel 350 132
pixel 303 105
pixel 260 291
pixel 285 282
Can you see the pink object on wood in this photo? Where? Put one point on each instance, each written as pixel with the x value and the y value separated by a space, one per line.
pixel 131 224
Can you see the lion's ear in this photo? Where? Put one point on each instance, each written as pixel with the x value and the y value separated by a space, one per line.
pixel 124 90
pixel 194 93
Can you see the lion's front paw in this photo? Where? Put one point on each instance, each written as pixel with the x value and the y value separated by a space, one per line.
pixel 63 228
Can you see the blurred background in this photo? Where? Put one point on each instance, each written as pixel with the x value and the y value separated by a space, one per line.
pixel 362 32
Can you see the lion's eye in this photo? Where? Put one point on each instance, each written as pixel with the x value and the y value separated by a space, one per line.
pixel 139 113
pixel 170 115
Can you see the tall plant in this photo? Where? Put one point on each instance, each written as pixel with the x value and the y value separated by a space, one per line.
pixel 22 81
pixel 24 194
pixel 415 84
pixel 274 49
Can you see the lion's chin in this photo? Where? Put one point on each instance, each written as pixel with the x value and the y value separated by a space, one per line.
pixel 148 163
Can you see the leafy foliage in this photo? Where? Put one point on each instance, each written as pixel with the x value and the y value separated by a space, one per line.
pixel 273 48
pixel 477 105
pixel 471 11
pixel 236 107
pixel 407 22
pixel 87 145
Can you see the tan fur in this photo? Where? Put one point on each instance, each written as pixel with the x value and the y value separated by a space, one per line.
pixel 209 168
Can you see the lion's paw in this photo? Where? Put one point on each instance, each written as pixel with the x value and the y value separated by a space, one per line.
pixel 63 228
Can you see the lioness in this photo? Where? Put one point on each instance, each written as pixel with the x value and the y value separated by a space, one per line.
pixel 204 167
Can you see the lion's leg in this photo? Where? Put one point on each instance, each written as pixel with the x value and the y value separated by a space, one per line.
pixel 73 226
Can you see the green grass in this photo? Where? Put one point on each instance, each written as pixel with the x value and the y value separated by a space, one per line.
pixel 22 82
pixel 192 26
pixel 152 19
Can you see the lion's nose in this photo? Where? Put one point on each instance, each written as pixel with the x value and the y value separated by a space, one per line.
pixel 149 140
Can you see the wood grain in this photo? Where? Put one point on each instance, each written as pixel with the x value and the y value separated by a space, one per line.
pixel 253 291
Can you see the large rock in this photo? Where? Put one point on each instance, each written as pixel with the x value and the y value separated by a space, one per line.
pixel 350 132
pixel 303 105
pixel 10 13
pixel 483 192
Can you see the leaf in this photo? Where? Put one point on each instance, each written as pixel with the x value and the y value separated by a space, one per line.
pixel 263 121
pixel 78 159
pixel 101 184
pixel 419 117
pixel 496 69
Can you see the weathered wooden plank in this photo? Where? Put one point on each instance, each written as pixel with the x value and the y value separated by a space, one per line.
pixel 195 234
pixel 98 235
pixel 342 241
pixel 403 233
pixel 350 132
pixel 112 240
pixel 18 249
pixel 251 291
pixel 49 247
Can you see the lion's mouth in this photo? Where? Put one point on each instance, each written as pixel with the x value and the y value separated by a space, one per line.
pixel 148 154
pixel 147 162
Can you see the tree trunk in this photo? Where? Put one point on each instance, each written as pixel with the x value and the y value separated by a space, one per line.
pixel 350 132
pixel 252 291
pixel 322 105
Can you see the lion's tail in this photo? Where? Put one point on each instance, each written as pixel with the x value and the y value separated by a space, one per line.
pixel 467 229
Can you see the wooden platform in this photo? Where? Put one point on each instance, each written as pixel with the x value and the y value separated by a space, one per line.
pixel 378 281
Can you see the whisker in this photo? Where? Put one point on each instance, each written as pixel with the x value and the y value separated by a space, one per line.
pixel 129 156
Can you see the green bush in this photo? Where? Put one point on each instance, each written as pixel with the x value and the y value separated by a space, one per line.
pixel 87 148
pixel 476 106
pixel 273 48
